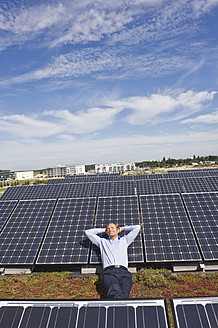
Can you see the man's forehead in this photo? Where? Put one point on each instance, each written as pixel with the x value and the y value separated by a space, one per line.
pixel 111 225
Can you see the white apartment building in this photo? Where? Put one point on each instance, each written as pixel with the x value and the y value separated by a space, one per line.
pixel 114 168
pixel 63 170
pixel 24 175
pixel 76 169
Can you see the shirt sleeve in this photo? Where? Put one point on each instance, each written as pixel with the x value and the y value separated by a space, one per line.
pixel 134 230
pixel 92 235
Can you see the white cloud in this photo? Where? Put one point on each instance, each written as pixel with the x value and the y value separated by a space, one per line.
pixel 211 118
pixel 92 120
pixel 58 122
pixel 157 107
pixel 27 127
pixel 33 19
pixel 103 64
pixel 34 154
pixel 135 111
pixel 81 22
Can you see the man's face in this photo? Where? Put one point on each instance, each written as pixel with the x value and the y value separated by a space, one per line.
pixel 112 231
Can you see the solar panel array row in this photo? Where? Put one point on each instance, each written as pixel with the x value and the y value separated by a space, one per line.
pixel 117 177
pixel 84 314
pixel 176 228
pixel 109 188
pixel 195 312
pixel 188 313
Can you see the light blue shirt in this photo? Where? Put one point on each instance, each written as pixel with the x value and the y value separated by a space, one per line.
pixel 113 252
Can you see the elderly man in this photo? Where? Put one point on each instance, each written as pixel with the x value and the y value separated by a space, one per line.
pixel 116 278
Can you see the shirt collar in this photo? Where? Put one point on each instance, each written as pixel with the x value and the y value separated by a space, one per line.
pixel 118 238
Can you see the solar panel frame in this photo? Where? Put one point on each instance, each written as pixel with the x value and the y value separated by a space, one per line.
pixel 78 190
pixel 167 233
pixel 168 186
pixel 98 189
pixel 202 209
pixel 23 233
pixel 84 313
pixel 194 184
pixel 65 241
pixel 34 192
pixel 122 188
pixel 145 187
pixel 125 211
pixel 140 177
pixel 212 182
pixel 55 191
pixel 13 193
pixel 6 208
pixel 195 312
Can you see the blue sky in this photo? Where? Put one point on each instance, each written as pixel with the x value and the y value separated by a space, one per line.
pixel 107 81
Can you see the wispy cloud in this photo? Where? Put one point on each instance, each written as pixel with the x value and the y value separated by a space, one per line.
pixel 58 122
pixel 137 110
pixel 157 107
pixel 36 154
pixel 81 22
pixel 211 118
pixel 109 63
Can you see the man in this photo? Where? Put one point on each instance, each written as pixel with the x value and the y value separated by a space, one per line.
pixel 116 278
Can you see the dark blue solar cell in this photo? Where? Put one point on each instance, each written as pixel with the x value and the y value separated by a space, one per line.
pixel 92 317
pixel 192 316
pixel 35 317
pixel 150 316
pixel 121 317
pixel 10 316
pixel 62 317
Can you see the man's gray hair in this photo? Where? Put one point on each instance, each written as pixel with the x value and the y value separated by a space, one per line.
pixel 117 225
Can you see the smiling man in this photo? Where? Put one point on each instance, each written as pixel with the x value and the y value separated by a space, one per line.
pixel 116 278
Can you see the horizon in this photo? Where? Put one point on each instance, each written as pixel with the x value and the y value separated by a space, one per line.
pixel 136 162
pixel 107 82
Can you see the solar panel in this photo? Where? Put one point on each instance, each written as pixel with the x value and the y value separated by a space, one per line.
pixel 140 177
pixel 22 235
pixel 34 192
pixel 13 193
pixel 84 314
pixel 170 186
pixel 86 179
pixel 122 188
pixel 55 181
pixel 65 241
pixel 77 190
pixel 6 208
pixel 155 176
pixel 212 182
pixel 201 312
pixel 171 175
pixel 145 187
pixel 55 191
pixel 125 211
pixel 190 173
pixel 126 177
pixel 194 184
pixel 100 189
pixel 203 212
pixel 167 232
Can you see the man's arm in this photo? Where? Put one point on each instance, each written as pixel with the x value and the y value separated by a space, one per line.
pixel 134 230
pixel 92 235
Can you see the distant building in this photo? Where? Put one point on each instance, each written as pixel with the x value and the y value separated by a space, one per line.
pixel 24 175
pixel 56 171
pixel 115 168
pixel 63 170
pixel 76 169
pixel 6 175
